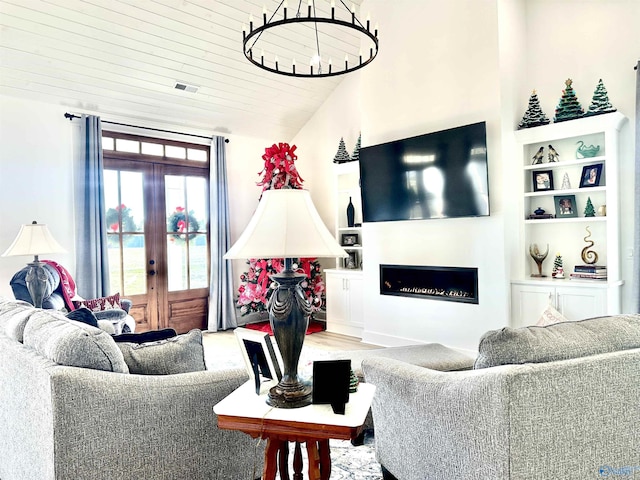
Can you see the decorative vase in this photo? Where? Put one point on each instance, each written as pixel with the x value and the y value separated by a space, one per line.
pixel 351 213
pixel 602 211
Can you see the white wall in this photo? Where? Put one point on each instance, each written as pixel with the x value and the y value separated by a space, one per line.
pixel 444 64
pixel 35 179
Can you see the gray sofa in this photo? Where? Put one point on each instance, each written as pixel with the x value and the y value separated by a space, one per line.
pixel 554 402
pixel 96 421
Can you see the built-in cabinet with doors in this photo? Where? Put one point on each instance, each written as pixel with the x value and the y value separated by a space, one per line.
pixel 568 171
pixel 344 283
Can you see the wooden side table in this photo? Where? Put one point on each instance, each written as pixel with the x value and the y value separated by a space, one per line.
pixel 312 425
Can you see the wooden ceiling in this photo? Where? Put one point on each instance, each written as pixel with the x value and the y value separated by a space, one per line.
pixel 121 59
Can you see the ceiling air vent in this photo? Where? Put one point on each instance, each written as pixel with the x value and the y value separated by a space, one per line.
pixel 186 87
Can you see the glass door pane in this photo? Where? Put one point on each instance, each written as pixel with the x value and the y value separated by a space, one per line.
pixel 124 201
pixel 186 220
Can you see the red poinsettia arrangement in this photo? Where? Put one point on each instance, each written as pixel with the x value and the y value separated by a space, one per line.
pixel 279 169
pixel 257 286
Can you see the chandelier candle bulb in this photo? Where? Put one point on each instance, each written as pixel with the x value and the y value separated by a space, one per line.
pixel 375 31
pixel 276 61
pixel 264 15
pixel 251 22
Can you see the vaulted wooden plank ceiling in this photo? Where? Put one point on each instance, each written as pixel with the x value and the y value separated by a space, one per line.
pixel 121 59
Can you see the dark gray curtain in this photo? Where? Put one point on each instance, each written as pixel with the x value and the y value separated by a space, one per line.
pixel 222 311
pixel 92 267
pixel 636 241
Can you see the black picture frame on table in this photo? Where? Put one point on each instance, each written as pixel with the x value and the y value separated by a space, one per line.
pixel 565 206
pixel 591 176
pixel 349 239
pixel 542 180
pixel 259 356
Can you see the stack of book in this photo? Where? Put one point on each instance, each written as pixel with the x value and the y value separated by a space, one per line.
pixel 589 272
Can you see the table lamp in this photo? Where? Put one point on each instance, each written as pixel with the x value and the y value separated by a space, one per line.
pixel 287 225
pixel 35 239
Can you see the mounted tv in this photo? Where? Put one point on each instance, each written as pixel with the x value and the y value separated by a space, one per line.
pixel 437 175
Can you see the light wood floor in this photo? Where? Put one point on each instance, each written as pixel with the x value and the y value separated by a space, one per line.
pixel 225 343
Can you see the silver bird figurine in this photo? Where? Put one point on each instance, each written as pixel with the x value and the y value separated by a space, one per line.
pixel 537 158
pixel 553 155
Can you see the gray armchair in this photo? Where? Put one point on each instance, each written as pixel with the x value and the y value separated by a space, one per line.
pixel 54 299
pixel 573 416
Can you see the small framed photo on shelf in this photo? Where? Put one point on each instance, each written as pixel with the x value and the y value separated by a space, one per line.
pixel 351 262
pixel 349 239
pixel 591 175
pixel 259 356
pixel 542 180
pixel 565 206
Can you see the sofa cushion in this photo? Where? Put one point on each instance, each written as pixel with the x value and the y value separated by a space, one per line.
pixel 14 315
pixel 558 341
pixel 72 343
pixel 180 354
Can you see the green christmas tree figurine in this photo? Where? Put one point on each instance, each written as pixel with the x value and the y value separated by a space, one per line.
pixel 569 107
pixel 355 156
pixel 558 269
pixel 534 116
pixel 589 211
pixel 600 101
pixel 341 155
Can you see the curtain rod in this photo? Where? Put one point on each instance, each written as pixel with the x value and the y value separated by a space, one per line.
pixel 71 116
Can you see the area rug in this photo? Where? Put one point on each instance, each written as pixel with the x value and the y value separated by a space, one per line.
pixel 349 462
pixel 314 326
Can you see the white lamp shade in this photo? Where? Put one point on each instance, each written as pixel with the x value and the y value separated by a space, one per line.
pixel 286 224
pixel 33 239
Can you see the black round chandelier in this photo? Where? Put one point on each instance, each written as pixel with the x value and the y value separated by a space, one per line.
pixel 327 45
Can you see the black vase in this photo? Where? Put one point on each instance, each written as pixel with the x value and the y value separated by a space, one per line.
pixel 351 213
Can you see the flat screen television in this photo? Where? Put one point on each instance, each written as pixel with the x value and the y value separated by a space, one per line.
pixel 437 175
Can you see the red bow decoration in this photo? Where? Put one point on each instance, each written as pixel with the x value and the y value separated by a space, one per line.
pixel 263 277
pixel 279 169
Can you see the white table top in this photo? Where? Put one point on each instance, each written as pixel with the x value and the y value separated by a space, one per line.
pixel 244 402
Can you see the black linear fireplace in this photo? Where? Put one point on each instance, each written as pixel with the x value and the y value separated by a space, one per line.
pixel 451 284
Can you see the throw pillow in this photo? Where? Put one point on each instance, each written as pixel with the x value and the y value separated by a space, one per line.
pixel 72 343
pixel 145 337
pixel 84 315
pixel 99 304
pixel 180 354
pixel 550 316
pixel 559 341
